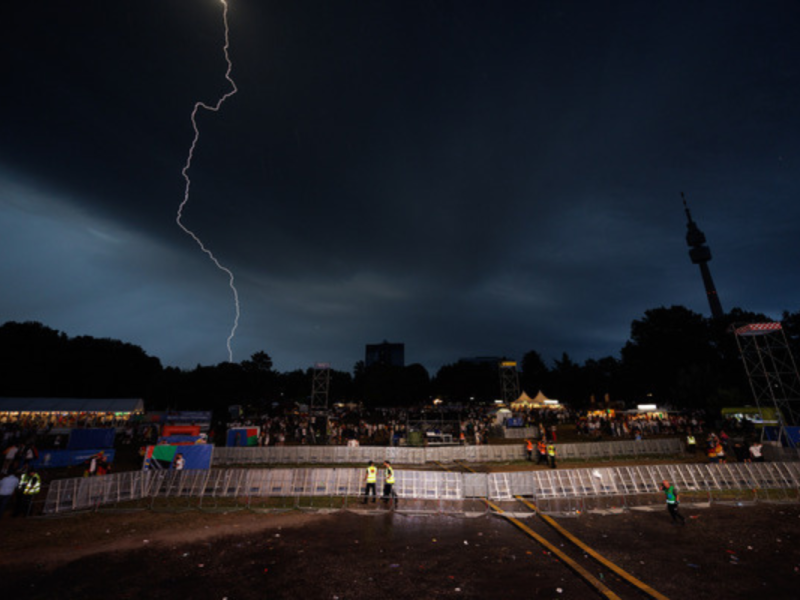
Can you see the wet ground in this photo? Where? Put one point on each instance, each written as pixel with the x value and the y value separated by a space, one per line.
pixel 722 552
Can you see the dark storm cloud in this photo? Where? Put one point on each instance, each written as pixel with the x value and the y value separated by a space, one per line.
pixel 468 178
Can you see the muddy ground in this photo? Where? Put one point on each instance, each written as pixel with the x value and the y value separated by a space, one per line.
pixel 722 552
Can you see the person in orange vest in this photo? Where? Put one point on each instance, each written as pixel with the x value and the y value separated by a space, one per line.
pixel 541 448
pixel 529 449
pixel 712 454
pixel 720 452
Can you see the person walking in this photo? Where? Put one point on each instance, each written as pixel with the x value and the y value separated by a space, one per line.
pixel 389 495
pixel 551 455
pixel 9 456
pixel 29 453
pixel 8 485
pixel 756 452
pixel 371 478
pixel 529 449
pixel 672 502
pixel 180 462
pixel 30 484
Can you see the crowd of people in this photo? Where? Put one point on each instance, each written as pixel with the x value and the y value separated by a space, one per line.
pixel 722 448
pixel 620 424
pixel 20 479
pixel 44 422
pixel 388 426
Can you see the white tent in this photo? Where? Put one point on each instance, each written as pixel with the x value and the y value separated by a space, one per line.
pixel 526 402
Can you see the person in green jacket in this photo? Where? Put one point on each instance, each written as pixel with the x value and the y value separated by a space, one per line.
pixel 672 502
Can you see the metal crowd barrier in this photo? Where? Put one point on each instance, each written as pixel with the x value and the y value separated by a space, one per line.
pixel 520 433
pixel 718 482
pixel 295 455
pixel 713 479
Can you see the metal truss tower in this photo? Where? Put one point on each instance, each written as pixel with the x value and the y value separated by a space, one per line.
pixel 318 408
pixel 509 381
pixel 772 371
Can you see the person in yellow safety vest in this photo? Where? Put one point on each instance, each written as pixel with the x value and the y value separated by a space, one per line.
pixel 30 484
pixel 388 484
pixel 529 449
pixel 691 443
pixel 551 455
pixel 541 449
pixel 371 477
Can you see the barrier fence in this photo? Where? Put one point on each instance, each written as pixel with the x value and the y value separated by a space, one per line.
pixel 277 455
pixel 292 488
pixel 520 433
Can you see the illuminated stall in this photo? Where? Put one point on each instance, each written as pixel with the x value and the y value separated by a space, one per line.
pixel 69 413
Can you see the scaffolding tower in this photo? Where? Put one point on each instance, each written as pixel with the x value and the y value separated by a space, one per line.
pixel 772 372
pixel 318 407
pixel 509 381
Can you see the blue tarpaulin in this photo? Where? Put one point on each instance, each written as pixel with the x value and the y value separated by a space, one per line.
pixel 793 433
pixel 66 458
pixel 85 439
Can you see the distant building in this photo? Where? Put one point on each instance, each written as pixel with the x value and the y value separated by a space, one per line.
pixel 390 355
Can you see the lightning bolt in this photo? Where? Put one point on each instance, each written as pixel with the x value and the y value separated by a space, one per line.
pixel 185 173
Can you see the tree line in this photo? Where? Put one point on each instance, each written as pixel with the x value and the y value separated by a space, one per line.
pixel 673 356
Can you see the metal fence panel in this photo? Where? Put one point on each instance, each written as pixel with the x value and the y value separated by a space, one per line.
pixel 723 479
pixel 362 454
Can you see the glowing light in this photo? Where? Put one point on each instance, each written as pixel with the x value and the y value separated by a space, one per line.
pixel 185 173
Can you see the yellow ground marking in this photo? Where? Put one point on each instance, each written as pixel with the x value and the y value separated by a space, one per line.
pixel 596 555
pixel 591 579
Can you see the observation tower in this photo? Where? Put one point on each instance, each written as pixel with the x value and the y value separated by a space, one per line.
pixel 700 255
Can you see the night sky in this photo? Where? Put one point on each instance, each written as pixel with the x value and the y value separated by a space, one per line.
pixel 469 178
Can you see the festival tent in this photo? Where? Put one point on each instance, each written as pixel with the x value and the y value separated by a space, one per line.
pixel 501 415
pixel 526 402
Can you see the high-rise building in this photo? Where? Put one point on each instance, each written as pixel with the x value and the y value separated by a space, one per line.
pixel 390 355
pixel 700 255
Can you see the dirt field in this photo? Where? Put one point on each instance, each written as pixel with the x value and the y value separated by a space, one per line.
pixel 722 552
